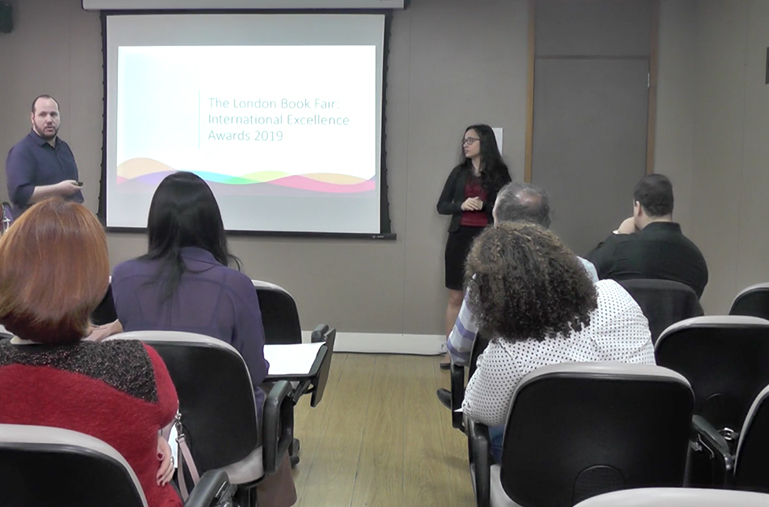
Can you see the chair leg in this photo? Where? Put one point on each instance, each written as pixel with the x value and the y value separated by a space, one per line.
pixel 293 452
pixel 245 497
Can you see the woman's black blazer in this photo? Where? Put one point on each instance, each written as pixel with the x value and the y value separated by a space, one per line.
pixel 453 196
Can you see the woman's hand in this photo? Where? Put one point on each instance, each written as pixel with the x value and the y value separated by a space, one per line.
pixel 472 204
pixel 166 470
pixel 99 333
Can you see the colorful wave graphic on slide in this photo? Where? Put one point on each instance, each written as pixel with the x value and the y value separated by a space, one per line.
pixel 148 173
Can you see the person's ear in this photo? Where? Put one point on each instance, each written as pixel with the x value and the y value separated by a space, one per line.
pixel 637 209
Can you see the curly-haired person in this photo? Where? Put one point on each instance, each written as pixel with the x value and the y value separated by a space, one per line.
pixel 533 295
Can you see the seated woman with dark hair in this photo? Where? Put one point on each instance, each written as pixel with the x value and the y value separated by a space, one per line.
pixel 53 272
pixel 532 294
pixel 184 283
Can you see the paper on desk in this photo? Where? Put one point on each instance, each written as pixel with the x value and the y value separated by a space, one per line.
pixel 291 359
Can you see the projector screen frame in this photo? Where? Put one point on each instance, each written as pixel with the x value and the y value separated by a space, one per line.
pixel 385 226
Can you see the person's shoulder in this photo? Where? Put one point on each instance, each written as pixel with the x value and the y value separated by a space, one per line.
pixel 129 268
pixel 236 281
pixel 127 365
pixel 613 300
pixel 25 144
pixel 609 288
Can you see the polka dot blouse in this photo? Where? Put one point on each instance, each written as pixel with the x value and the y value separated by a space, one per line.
pixel 618 332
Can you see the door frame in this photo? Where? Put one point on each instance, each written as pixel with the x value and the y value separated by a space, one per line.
pixel 651 117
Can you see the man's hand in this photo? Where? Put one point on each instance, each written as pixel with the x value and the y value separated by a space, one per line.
pixel 472 204
pixel 626 227
pixel 67 188
pixel 166 470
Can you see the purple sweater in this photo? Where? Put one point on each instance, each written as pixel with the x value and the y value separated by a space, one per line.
pixel 212 300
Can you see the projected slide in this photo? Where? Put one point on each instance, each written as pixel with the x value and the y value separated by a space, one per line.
pixel 287 135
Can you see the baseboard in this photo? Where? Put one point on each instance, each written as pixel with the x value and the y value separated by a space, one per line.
pixel 387 343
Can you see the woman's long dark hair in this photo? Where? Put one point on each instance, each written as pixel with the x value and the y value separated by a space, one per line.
pixel 494 171
pixel 183 213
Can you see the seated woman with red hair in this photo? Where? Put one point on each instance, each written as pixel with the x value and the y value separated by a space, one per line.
pixel 53 272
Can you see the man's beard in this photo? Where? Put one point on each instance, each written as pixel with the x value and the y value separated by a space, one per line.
pixel 42 134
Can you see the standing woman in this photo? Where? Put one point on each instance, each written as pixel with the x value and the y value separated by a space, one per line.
pixel 468 196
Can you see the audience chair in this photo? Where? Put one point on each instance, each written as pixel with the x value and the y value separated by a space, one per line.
pixel 105 313
pixel 458 382
pixel 677 497
pixel 218 414
pixel 726 360
pixel 752 301
pixel 41 465
pixel 280 319
pixel 280 316
pixel 663 302
pixel 576 430
pixel 747 468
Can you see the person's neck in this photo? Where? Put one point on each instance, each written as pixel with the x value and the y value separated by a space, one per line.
pixel 664 218
pixel 51 141
pixel 476 164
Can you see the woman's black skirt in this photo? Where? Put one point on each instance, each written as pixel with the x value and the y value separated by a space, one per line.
pixel 457 247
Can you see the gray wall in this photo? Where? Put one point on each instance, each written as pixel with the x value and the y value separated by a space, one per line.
pixel 731 128
pixel 453 63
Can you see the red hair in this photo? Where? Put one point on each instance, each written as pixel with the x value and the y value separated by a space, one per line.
pixel 54 271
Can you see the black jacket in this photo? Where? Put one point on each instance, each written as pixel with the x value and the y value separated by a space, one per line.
pixel 453 196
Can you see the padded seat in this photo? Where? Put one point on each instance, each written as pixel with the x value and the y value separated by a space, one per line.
pixel 576 430
pixel 663 302
pixel 752 301
pixel 41 465
pixel 677 497
pixel 218 412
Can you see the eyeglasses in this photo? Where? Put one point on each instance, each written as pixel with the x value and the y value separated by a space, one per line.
pixel 469 140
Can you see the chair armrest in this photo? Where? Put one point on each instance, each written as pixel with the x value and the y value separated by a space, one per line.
pixel 214 488
pixel 318 332
pixel 711 439
pixel 277 425
pixel 480 465
pixel 457 395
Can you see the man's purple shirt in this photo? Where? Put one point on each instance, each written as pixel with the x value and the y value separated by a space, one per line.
pixel 33 162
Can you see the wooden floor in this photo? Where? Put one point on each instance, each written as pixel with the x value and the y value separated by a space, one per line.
pixel 380 437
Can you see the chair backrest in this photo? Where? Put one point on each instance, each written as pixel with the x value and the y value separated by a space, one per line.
pixel 724 358
pixel 279 314
pixel 663 302
pixel 750 466
pixel 105 312
pixel 677 497
pixel 752 301
pixel 216 398
pixel 576 430
pixel 40 465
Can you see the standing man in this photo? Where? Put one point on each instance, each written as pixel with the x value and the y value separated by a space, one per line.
pixel 41 165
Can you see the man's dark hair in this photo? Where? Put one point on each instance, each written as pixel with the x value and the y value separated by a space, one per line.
pixel 43 97
pixel 525 202
pixel 655 194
